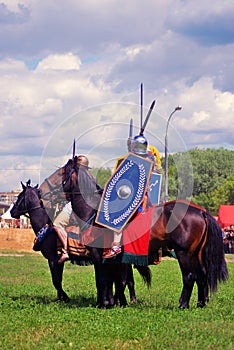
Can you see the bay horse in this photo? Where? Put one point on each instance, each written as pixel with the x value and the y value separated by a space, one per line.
pixel 187 228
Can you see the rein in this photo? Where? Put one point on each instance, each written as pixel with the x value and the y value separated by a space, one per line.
pixel 87 223
pixel 53 190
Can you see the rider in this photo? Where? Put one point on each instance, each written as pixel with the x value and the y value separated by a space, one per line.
pixel 63 218
pixel 139 147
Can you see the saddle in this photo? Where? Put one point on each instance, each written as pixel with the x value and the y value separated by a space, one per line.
pixel 74 245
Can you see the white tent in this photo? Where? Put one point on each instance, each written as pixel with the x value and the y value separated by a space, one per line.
pixel 7 214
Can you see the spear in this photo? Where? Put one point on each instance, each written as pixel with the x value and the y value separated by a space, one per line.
pixel 141 101
pixel 74 149
pixel 147 118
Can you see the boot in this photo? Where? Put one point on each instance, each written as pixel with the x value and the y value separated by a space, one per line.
pixel 113 251
pixel 64 257
pixel 62 235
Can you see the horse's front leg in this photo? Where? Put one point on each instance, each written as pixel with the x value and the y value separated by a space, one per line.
pixel 121 275
pixel 57 276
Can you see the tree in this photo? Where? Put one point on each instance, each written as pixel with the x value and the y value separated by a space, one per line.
pixel 202 176
pixel 102 175
pixel 223 194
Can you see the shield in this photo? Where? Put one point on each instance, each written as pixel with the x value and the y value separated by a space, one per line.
pixel 155 187
pixel 124 192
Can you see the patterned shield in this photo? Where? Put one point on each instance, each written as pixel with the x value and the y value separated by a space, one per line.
pixel 124 192
pixel 155 187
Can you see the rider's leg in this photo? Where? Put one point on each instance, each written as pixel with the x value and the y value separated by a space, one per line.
pixel 60 222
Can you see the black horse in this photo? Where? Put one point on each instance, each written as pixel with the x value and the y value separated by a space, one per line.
pixel 185 227
pixel 29 201
pixel 53 196
pixel 84 193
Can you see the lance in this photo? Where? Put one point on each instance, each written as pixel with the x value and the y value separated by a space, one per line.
pixel 147 118
pixel 141 102
pixel 130 135
pixel 74 149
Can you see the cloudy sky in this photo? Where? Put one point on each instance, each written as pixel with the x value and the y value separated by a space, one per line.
pixel 72 69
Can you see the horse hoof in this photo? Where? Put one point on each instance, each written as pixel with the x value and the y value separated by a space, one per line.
pixel 201 304
pixel 183 307
pixel 64 298
pixel 133 300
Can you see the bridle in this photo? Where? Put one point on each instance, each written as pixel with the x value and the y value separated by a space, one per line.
pixel 26 209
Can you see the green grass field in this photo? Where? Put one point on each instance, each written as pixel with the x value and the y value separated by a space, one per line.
pixel 31 319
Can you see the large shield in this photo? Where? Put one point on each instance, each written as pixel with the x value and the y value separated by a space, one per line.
pixel 155 187
pixel 124 192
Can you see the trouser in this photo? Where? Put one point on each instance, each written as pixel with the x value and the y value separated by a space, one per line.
pixel 60 222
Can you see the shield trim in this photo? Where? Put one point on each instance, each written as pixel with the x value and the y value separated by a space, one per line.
pixel 143 184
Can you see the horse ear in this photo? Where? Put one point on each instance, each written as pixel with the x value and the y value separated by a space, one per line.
pixel 23 186
pixel 36 186
pixel 28 183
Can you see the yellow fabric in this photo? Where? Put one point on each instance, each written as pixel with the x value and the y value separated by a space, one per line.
pixel 156 155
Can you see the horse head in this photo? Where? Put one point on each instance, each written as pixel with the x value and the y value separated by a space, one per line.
pixel 29 199
pixel 81 187
pixel 68 170
pixel 52 192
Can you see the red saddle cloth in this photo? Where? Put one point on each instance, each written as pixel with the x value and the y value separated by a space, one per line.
pixel 136 238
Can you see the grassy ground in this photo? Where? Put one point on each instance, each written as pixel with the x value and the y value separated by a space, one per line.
pixel 31 319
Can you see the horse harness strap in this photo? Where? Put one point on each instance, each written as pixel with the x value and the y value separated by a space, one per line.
pixel 87 223
pixel 41 235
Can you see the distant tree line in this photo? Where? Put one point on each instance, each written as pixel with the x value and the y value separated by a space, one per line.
pixel 206 177
pixel 209 173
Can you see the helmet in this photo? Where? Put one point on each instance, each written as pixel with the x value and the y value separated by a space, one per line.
pixel 83 160
pixel 140 145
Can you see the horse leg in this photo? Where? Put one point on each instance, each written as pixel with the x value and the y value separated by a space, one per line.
pixel 104 287
pixel 57 274
pixel 120 283
pixel 131 284
pixel 202 293
pixel 188 278
pixel 203 290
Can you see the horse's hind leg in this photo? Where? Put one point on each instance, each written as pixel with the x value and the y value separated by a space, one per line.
pixel 188 279
pixel 131 285
pixel 203 290
pixel 57 274
pixel 188 283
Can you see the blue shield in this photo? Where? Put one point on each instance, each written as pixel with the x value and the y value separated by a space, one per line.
pixel 124 192
pixel 155 188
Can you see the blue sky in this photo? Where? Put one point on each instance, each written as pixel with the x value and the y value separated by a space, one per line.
pixel 72 69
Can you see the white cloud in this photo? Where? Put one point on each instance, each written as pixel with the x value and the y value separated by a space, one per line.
pixel 65 62
pixel 66 66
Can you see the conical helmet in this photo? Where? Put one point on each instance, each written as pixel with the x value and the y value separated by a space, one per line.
pixel 140 145
pixel 83 160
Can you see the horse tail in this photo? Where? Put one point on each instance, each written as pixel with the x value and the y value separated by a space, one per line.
pixel 213 255
pixel 145 273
